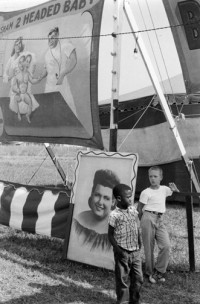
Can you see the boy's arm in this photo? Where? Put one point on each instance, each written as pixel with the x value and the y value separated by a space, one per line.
pixel 112 239
pixel 139 209
pixel 139 239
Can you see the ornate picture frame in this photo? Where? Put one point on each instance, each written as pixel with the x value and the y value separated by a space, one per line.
pixel 95 176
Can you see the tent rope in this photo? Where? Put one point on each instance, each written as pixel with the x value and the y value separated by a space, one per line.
pixel 37 169
pixel 135 123
pixel 27 167
pixel 163 59
pixel 162 83
pixel 131 115
pixel 172 26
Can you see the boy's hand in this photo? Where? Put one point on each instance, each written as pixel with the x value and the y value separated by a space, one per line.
pixel 139 239
pixel 173 187
pixel 139 243
pixel 119 251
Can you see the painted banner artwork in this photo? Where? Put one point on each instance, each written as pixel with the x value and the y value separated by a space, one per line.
pixel 49 73
pixel 35 210
pixel 96 175
pixel 184 19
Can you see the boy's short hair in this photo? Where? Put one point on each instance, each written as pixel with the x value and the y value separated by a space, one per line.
pixel 106 178
pixel 119 189
pixel 156 168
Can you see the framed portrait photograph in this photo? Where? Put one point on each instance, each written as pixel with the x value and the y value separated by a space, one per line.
pixel 96 175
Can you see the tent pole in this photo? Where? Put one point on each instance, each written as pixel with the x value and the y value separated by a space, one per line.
pixel 57 164
pixel 117 16
pixel 157 87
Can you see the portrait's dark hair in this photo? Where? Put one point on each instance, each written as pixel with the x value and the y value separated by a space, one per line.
pixel 119 189
pixel 106 178
pixel 54 30
pixel 156 168
pixel 19 39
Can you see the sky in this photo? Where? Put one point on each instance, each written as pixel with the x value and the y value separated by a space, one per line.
pixel 134 78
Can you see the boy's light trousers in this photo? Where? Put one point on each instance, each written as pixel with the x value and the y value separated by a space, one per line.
pixel 153 229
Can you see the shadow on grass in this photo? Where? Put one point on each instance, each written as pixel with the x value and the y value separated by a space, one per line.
pixel 65 294
pixel 44 255
pixel 69 282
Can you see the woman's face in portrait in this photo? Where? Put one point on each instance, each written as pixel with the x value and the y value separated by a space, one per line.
pixel 18 46
pixel 101 201
pixel 28 61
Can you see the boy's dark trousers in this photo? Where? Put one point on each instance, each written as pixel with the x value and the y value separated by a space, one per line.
pixel 128 267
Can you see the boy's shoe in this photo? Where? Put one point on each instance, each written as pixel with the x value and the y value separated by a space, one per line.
pixel 152 280
pixel 158 276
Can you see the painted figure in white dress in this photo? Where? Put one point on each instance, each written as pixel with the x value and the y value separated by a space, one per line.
pixel 20 85
pixel 10 72
pixel 60 60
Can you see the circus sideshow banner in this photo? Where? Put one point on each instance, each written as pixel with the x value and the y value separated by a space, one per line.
pixel 49 73
pixel 96 175
pixel 184 19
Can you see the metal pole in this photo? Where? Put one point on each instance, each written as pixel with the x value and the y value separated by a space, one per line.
pixel 57 164
pixel 190 227
pixel 117 14
pixel 157 87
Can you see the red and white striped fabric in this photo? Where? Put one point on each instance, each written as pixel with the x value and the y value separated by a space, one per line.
pixel 35 209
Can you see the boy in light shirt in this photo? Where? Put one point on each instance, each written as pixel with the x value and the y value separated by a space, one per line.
pixel 151 208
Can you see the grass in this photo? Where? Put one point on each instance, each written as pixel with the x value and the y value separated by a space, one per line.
pixel 30 164
pixel 32 270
